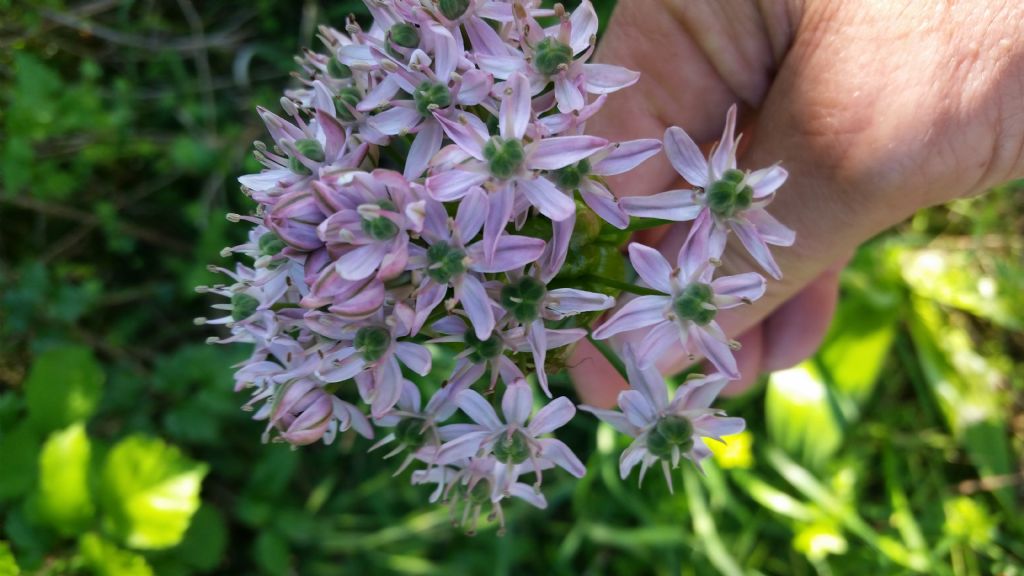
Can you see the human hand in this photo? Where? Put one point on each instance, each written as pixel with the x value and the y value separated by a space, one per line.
pixel 876 109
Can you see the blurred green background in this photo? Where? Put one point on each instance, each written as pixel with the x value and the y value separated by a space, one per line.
pixel 897 449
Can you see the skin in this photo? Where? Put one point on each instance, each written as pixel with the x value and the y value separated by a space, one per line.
pixel 876 109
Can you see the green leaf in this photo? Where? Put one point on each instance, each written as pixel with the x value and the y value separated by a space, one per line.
pixel 271 553
pixel 63 499
pixel 205 541
pixel 802 415
pixel 63 387
pixel 149 492
pixel 104 558
pixel 19 450
pixel 8 567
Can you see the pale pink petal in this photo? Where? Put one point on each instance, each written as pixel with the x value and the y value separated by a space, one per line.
pixel 515 110
pixel 498 213
pixel 658 340
pixel 556 414
pixel 511 252
pixel 637 408
pixel 528 494
pixel 551 201
pixel 568 94
pixel 606 78
pixel 367 301
pixel 416 357
pixel 716 350
pixel 467 131
pixel 396 120
pixel 699 393
pixel 648 381
pixel 475 87
pixel 463 447
pixel 469 217
pixel 616 419
pixel 361 262
pixel 453 184
pixel 731 291
pixel 685 157
pixel 766 180
pixel 556 338
pixel 429 296
pixel 471 294
pixel 584 27
pixel 536 335
pixel 724 156
pixel 344 370
pixel 756 246
pixel 718 427
pixel 387 380
pixel 484 39
pixel 517 403
pixel 557 249
pixel 479 409
pixel 637 313
pixel 265 180
pixel 625 156
pixel 771 230
pixel 556 451
pixel 380 95
pixel 604 205
pixel 569 301
pixel 651 266
pixel 675 205
pixel 630 457
pixel 561 151
pixel 424 147
pixel 501 66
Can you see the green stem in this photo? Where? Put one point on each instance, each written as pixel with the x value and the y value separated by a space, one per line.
pixel 636 223
pixel 624 286
pixel 609 355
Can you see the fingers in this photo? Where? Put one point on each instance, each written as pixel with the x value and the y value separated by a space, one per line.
pixel 596 380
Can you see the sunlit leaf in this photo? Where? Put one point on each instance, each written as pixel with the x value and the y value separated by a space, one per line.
pixel 150 492
pixel 801 415
pixel 63 387
pixel 8 566
pixel 968 521
pixel 63 499
pixel 104 558
pixel 819 540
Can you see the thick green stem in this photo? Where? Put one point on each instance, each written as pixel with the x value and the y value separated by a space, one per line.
pixel 609 355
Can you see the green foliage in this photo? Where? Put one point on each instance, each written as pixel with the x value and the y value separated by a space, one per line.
pixel 63 498
pixel 8 566
pixel 150 491
pixel 64 387
pixel 104 558
pixel 19 452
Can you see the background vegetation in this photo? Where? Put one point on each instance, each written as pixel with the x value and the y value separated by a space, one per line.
pixel 123 451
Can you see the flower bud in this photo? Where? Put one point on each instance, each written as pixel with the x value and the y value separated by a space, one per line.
pixel 729 196
pixel 445 262
pixel 504 157
pixel 453 9
pixel 335 69
pixel 431 95
pixel 483 350
pixel 270 244
pixel 303 412
pixel 550 56
pixel 404 35
pixel 294 219
pixel 372 342
pixel 523 298
pixel 346 101
pixel 512 448
pixel 694 304
pixel 243 306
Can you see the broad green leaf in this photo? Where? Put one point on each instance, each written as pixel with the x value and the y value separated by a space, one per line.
pixel 63 499
pixel 149 492
pixel 271 553
pixel 19 456
pixel 104 558
pixel 968 521
pixel 63 387
pixel 8 567
pixel 205 541
pixel 802 416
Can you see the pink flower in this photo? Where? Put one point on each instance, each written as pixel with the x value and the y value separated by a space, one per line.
pixel 726 199
pixel 305 413
pixel 499 169
pixel 667 430
pixel 686 313
pixel 516 446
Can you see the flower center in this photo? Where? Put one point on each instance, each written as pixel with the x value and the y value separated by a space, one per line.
pixel 504 157
pixel 430 95
pixel 310 149
pixel 693 304
pixel 379 227
pixel 409 432
pixel 446 262
pixel 512 448
pixel 335 69
pixel 550 55
pixel 569 178
pixel 347 98
pixel 670 432
pixel 243 306
pixel 729 196
pixel 270 244
pixel 453 9
pixel 404 35
pixel 483 350
pixel 523 298
pixel 372 342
